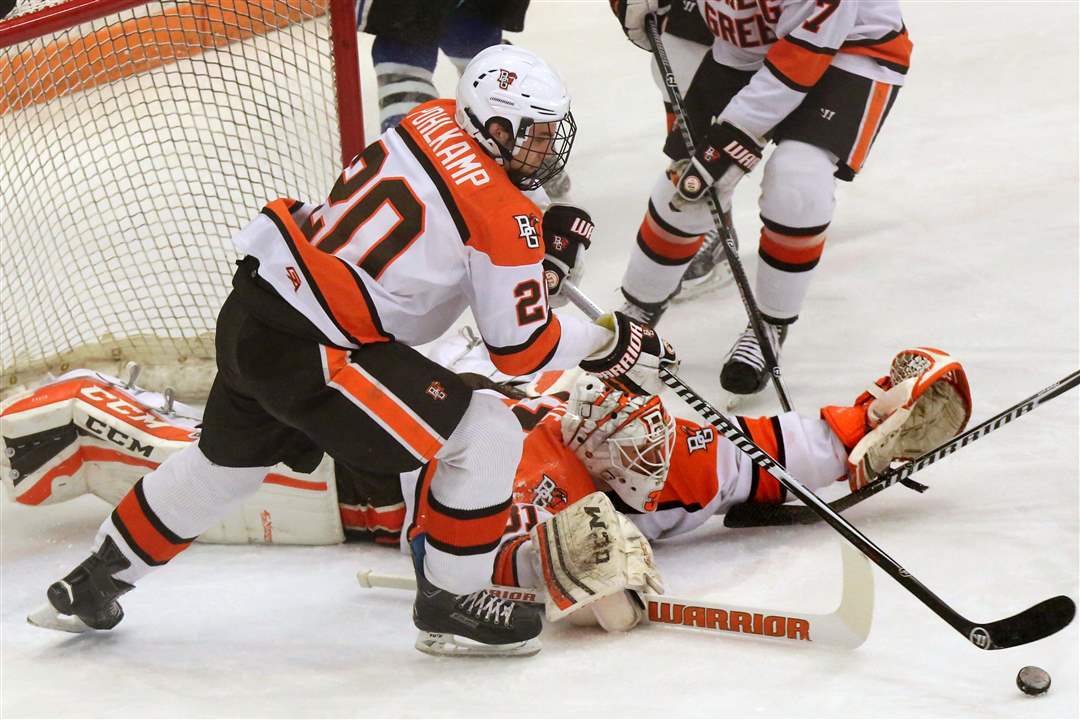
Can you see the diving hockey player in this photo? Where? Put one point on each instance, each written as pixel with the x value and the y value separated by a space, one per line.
pixel 314 346
pixel 667 475
pixel 816 77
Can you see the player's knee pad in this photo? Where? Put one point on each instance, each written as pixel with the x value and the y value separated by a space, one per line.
pixel 798 189
pixel 477 464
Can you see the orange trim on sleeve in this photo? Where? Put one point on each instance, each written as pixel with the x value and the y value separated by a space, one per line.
pixel 339 287
pixel 761 432
pixel 798 65
pixel 533 356
pixel 879 99
pixel 896 51
pixel 790 249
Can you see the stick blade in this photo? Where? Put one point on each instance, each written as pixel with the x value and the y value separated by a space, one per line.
pixel 1035 623
pixel 748 515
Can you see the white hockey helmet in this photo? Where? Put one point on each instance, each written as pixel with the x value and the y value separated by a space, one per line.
pixel 526 96
pixel 625 441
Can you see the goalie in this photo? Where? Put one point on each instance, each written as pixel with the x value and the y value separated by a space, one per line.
pixel 658 476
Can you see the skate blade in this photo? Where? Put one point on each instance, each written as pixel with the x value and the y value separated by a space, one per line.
pixel 718 279
pixel 447 645
pixel 47 617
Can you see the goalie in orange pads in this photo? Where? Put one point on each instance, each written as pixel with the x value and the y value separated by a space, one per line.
pixel 664 475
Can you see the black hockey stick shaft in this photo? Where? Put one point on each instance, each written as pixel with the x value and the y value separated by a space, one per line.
pixel 758 515
pixel 724 227
pixel 1033 624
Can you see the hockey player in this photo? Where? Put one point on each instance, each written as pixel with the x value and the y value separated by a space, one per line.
pixel 667 475
pixel 816 77
pixel 314 346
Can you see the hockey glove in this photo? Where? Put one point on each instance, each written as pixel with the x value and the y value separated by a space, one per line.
pixel 567 235
pixel 631 362
pixel 631 15
pixel 924 401
pixel 726 154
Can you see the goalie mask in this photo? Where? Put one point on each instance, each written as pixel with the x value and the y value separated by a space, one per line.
pixel 625 441
pixel 523 95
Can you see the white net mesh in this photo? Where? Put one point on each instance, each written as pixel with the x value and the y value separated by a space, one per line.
pixel 135 145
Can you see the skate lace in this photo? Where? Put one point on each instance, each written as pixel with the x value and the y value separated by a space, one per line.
pixel 482 605
pixel 747 351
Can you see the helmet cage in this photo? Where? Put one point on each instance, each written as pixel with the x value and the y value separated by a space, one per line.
pixel 533 168
pixel 639 457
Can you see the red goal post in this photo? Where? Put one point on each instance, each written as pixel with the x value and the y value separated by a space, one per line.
pixel 137 138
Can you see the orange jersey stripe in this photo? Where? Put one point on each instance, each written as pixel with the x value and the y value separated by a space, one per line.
pixel 879 99
pixel 799 65
pixel 143 531
pixel 534 355
pixel 388 411
pixel 42 489
pixel 895 51
pixel 767 488
pixel 790 249
pixel 341 290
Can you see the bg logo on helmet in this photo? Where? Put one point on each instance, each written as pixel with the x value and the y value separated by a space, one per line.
pixel 506 78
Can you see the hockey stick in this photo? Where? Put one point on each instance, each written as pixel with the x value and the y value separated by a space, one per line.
pixel 757 515
pixel 1035 623
pixel 846 627
pixel 725 228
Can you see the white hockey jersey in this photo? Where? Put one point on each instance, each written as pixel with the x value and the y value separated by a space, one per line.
pixel 421 225
pixel 790 43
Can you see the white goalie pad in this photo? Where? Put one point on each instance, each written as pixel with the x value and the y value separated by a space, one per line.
pixel 588 552
pixel 86 432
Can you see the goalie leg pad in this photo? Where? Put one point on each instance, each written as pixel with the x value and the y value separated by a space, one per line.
pixel 588 552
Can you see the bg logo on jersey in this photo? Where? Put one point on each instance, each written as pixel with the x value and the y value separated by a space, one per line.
pixel 527 230
pixel 699 440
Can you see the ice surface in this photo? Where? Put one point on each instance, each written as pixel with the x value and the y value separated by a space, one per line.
pixel 962 233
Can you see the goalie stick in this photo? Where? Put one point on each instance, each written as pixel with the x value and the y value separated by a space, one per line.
pixel 721 220
pixel 758 515
pixel 1035 623
pixel 847 627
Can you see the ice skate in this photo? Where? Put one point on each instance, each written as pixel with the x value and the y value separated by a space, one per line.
pixel 85 599
pixel 644 312
pixel 479 624
pixel 707 271
pixel 745 371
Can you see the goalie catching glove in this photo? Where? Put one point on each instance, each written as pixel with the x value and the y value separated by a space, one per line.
pixel 591 556
pixel 632 361
pixel 924 401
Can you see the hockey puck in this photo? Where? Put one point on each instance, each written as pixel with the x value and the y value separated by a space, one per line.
pixel 1033 680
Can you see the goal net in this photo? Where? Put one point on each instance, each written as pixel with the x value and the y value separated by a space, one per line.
pixel 137 138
